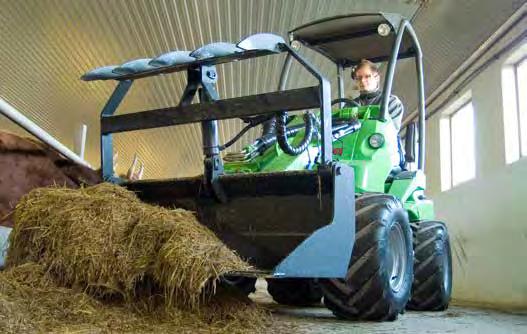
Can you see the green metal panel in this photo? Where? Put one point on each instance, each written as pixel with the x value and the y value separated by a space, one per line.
pixel 404 188
pixel 421 210
pixel 411 193
pixel 372 166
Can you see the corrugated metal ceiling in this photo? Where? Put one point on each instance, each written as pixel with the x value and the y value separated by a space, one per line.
pixel 449 32
pixel 46 46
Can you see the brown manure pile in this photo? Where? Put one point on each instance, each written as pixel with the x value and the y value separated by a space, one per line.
pixel 97 259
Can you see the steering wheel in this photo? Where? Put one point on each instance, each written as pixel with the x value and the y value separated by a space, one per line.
pixel 346 101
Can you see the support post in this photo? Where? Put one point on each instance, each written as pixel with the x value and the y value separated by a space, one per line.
pixel 106 139
pixel 340 79
pixel 203 79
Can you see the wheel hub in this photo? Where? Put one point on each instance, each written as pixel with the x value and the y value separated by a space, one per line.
pixel 397 257
pixel 446 266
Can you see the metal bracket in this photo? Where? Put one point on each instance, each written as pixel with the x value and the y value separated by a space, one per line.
pixel 106 139
pixel 327 252
pixel 203 79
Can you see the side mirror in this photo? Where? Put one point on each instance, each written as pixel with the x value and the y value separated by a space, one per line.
pixel 410 142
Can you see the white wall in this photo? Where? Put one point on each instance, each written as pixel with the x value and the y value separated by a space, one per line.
pixel 487 216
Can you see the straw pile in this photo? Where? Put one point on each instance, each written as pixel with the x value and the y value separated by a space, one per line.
pixel 98 259
pixel 31 302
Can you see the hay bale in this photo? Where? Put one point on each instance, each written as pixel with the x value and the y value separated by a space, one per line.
pixel 104 240
pixel 97 260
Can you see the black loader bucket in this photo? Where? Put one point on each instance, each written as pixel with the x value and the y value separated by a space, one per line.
pixel 293 224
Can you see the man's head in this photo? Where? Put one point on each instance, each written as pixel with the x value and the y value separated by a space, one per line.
pixel 366 76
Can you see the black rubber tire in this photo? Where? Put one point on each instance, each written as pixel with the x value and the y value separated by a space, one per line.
pixel 245 284
pixel 366 292
pixel 432 286
pixel 294 291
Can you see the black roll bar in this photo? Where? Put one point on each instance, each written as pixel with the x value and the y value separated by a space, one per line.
pixel 387 89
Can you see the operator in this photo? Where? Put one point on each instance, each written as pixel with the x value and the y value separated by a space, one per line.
pixel 366 75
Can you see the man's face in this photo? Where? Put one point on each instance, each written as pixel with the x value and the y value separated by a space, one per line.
pixel 367 80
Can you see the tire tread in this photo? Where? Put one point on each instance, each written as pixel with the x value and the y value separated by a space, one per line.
pixel 431 245
pixel 364 297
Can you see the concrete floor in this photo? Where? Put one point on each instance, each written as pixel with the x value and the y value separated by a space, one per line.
pixel 455 320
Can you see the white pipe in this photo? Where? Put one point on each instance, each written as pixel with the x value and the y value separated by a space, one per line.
pixel 80 140
pixel 14 115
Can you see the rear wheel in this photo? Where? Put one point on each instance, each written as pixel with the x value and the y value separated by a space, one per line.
pixel 432 284
pixel 294 291
pixel 377 285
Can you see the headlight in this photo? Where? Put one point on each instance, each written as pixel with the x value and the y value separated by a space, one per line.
pixel 376 140
pixel 295 45
pixel 383 29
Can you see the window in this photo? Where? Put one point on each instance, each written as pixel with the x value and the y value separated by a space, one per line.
pixel 457 152
pixel 514 87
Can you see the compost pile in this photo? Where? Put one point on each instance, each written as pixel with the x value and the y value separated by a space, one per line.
pixel 26 164
pixel 97 259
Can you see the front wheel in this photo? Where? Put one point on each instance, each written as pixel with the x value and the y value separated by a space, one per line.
pixel 379 279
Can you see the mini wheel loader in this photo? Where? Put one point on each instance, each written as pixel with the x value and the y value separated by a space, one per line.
pixel 321 204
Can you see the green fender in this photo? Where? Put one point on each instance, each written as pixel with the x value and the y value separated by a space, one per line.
pixel 409 188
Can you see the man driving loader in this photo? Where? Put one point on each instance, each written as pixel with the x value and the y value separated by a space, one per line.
pixel 367 77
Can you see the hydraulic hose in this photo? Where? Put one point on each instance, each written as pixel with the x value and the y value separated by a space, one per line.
pixel 281 134
pixel 269 127
pixel 264 142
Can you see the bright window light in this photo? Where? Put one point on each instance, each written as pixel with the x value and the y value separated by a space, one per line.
pixel 444 152
pixel 510 115
pixel 462 144
pixel 521 80
pixel 457 146
pixel 514 90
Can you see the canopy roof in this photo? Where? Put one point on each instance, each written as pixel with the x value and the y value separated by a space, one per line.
pixel 347 39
